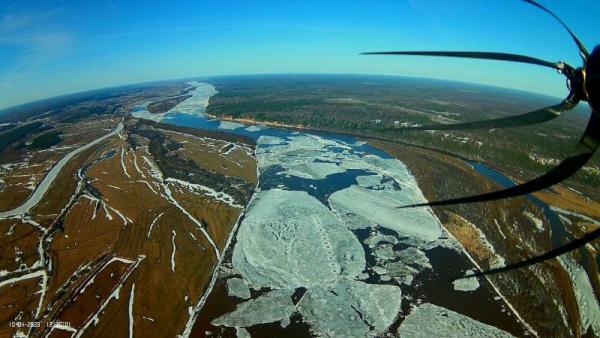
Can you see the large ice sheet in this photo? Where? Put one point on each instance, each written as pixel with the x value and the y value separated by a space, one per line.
pixel 289 239
pixel 315 170
pixel 428 320
pixel 271 307
pixel 350 308
pixel 362 207
pixel 306 156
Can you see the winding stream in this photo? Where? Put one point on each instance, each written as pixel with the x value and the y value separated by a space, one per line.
pixel 45 184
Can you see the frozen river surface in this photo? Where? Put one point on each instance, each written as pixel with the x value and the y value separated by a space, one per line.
pixel 323 237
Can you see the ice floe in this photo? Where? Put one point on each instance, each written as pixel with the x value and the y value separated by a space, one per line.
pixel 401 265
pixel 230 125
pixel 429 320
pixel 370 181
pixel 198 102
pixel 266 140
pixel 254 128
pixel 350 308
pixel 289 239
pixel 466 284
pixel 305 156
pixel 385 252
pixel 415 257
pixel 377 238
pixel 315 170
pixel 240 332
pixel 360 207
pixel 271 307
pixel 237 287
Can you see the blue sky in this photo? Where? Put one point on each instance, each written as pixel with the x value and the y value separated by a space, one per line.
pixel 49 48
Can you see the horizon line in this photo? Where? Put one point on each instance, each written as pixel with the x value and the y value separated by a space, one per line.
pixel 16 106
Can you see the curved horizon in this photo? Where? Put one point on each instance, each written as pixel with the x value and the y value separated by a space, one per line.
pixel 207 78
pixel 49 49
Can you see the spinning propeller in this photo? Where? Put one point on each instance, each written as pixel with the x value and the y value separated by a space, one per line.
pixel 583 84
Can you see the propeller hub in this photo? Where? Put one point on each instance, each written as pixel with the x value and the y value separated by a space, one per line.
pixel 576 83
pixel 592 80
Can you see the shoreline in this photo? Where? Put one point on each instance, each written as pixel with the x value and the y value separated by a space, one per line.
pixel 554 198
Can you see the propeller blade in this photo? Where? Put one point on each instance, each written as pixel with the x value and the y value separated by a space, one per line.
pixel 582 50
pixel 478 55
pixel 572 245
pixel 589 142
pixel 534 117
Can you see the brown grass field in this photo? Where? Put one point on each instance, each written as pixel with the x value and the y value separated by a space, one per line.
pixel 123 209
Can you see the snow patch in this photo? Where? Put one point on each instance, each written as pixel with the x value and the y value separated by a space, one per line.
pixel 539 224
pixel 123 162
pixel 131 295
pixel 589 309
pixel 218 195
pixel 173 252
pixel 152 224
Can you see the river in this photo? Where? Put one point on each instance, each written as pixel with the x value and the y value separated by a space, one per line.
pixel 324 224
pixel 45 184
